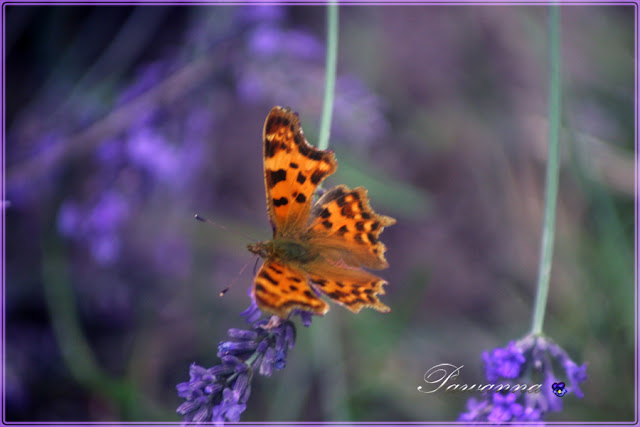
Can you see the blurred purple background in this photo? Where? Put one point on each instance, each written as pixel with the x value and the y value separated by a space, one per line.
pixel 122 122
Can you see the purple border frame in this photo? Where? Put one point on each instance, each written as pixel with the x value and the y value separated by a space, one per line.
pixel 342 3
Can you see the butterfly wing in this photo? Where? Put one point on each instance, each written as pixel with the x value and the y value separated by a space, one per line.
pixel 344 228
pixel 341 228
pixel 280 288
pixel 354 288
pixel 293 170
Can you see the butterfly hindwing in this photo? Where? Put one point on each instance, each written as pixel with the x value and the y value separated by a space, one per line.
pixel 293 170
pixel 351 287
pixel 345 228
pixel 280 288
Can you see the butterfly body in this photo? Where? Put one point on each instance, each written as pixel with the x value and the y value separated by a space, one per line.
pixel 317 248
pixel 285 250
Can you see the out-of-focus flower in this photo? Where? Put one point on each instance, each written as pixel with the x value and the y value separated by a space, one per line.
pixel 260 14
pixel 503 362
pixel 475 408
pixel 148 149
pixel 520 362
pixel 505 408
pixel 286 67
pixel 97 225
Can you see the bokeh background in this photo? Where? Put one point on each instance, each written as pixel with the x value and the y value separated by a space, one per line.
pixel 122 122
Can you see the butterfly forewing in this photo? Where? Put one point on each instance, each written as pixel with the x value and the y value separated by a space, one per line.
pixel 293 170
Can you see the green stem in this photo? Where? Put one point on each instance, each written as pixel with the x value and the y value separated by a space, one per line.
pixel 330 75
pixel 330 362
pixel 551 192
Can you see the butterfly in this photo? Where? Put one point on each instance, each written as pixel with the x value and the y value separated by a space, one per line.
pixel 317 248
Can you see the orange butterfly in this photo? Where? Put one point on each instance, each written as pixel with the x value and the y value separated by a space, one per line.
pixel 326 243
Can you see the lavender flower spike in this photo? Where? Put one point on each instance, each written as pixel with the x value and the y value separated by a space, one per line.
pixel 529 360
pixel 503 362
pixel 220 393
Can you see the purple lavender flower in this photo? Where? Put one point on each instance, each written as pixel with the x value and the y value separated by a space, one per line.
pixel 521 362
pixel 529 413
pixel 576 375
pixel 505 408
pixel 220 393
pixel 503 362
pixel 270 49
pixel 548 402
pixel 98 225
pixel 252 313
pixel 476 410
pixel 260 14
pixel 305 316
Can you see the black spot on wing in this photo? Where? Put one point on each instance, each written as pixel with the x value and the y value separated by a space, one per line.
pixel 365 215
pixel 327 223
pixel 280 202
pixel 302 146
pixel 343 229
pixel 334 194
pixel 346 211
pixel 274 268
pixel 274 177
pixel 266 275
pixel 337 294
pixel 271 126
pixel 301 178
pixel 372 238
pixel 293 165
pixel 269 148
pixel 315 155
pixel 317 176
pixel 301 198
pixel 360 225
pixel 320 282
pixel 325 213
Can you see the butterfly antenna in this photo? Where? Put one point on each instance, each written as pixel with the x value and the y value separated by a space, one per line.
pixel 208 221
pixel 235 279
